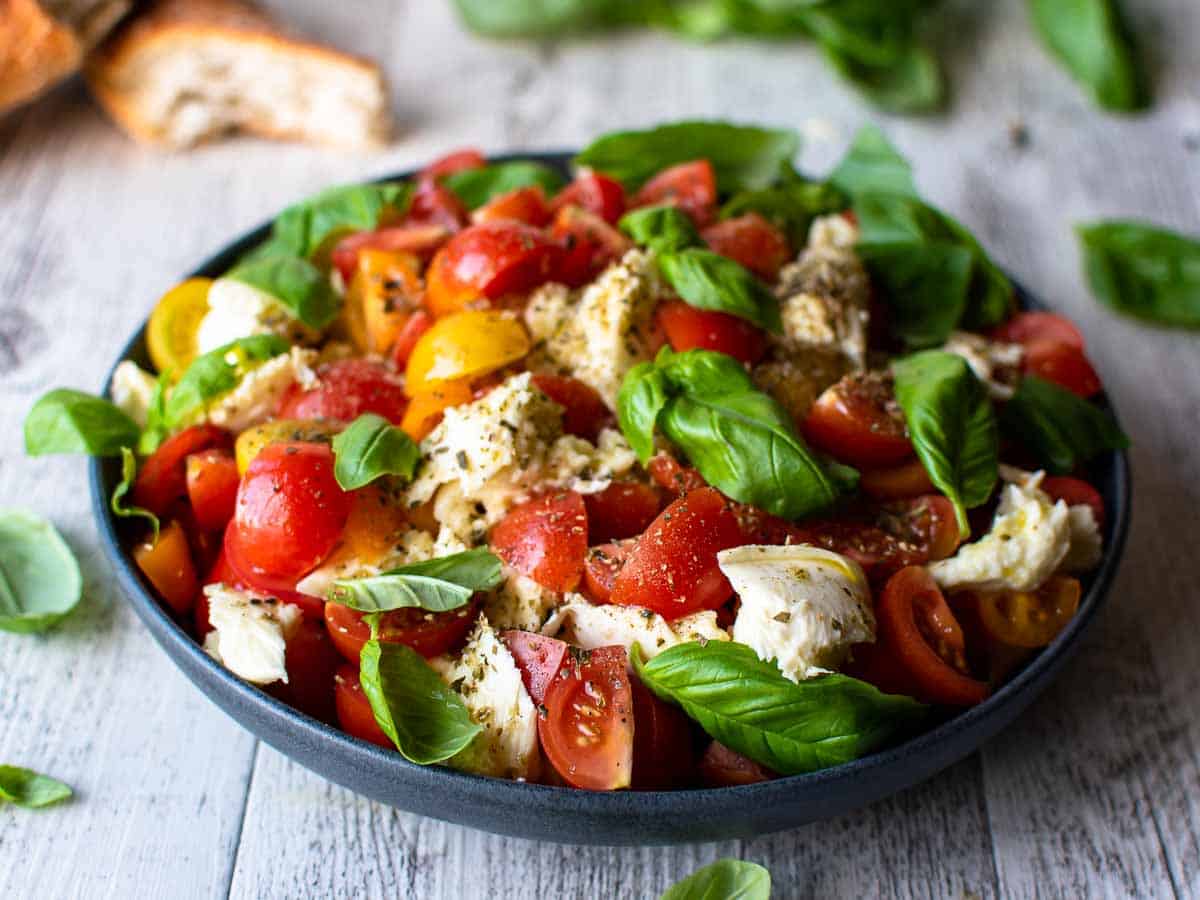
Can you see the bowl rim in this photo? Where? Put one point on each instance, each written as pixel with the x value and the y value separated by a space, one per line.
pixel 1000 707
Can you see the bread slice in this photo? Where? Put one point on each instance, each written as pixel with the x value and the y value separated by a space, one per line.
pixel 189 70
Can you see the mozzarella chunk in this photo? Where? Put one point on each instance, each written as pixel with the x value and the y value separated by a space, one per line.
pixel 238 310
pixel 133 390
pixel 579 622
pixel 1087 547
pixel 250 633
pixel 519 602
pixel 995 363
pixel 801 606
pixel 1028 540
pixel 487 677
pixel 258 393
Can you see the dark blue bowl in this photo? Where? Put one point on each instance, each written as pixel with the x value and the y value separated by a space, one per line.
pixel 581 817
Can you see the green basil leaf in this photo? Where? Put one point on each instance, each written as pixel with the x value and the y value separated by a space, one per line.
pixel 639 401
pixel 1060 427
pixel 370 448
pixel 475 187
pixel 156 429
pixel 873 165
pixel 910 83
pixel 1143 271
pixel 661 228
pixel 1093 42
pixel 707 280
pixel 748 705
pixel 116 504
pixel 477 569
pixel 436 585
pixel 70 421
pixel 298 286
pixel 546 18
pixel 743 157
pixel 40 582
pixel 789 207
pixel 953 429
pixel 30 789
pixel 300 230
pixel 726 879
pixel 420 713
pixel 218 371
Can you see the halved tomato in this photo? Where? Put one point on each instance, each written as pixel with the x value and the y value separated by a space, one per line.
pixel 420 240
pixel 596 193
pixel 690 186
pixel 585 414
pixel 600 568
pixel 538 657
pixel 346 389
pixel 435 204
pixel 859 421
pixel 545 538
pixel 162 478
pixel 212 484
pixel 354 712
pixel 689 328
pixel 429 634
pixel 752 241
pixel 1075 492
pixel 526 204
pixel 662 742
pixel 1030 619
pixel 590 244
pixel 487 261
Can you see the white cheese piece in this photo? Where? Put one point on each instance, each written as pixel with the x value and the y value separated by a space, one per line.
pixel 238 310
pixel 250 633
pixel 254 400
pixel 133 390
pixel 1087 546
pixel 832 232
pixel 1027 542
pixel 519 602
pixel 588 626
pixel 487 677
pixel 801 606
pixel 995 363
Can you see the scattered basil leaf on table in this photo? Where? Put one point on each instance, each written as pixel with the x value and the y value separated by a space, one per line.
pixel 1143 271
pixel 475 187
pixel 725 879
pixel 436 585
pixel 952 426
pixel 370 448
pixel 218 371
pixel 661 228
pixel 707 280
pixel 748 705
pixel 30 789
pixel 69 421
pixel 117 504
pixel 421 714
pixel 911 82
pixel 298 286
pixel 1093 42
pixel 789 207
pixel 301 229
pixel 40 582
pixel 1061 428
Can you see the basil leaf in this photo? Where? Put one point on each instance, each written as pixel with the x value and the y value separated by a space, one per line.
pixel 370 448
pixel 661 228
pixel 420 713
pixel 953 429
pixel 707 280
pixel 436 585
pixel 1143 271
pixel 912 82
pixel 475 187
pixel 70 421
pixel 217 372
pixel 726 879
pixel 545 18
pixel 300 230
pixel 639 401
pixel 1060 427
pixel 298 286
pixel 742 156
pixel 30 789
pixel 128 472
pixel 748 705
pixel 477 569
pixel 873 166
pixel 789 207
pixel 1093 42
pixel 156 429
pixel 39 578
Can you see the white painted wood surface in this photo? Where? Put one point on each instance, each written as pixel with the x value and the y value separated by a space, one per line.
pixel 1094 792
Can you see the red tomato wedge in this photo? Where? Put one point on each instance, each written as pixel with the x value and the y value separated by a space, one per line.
pixel 601 566
pixel 722 767
pixel 435 204
pixel 598 194
pixel 311 663
pixel 162 478
pixel 545 538
pixel 689 328
pixel 589 244
pixel 858 421
pixel 538 657
pixel 420 240
pixel 527 204
pixel 457 161
pixel 752 241
pixel 690 186
pixel 624 509
pixel 673 477
pixel 347 389
pixel 354 712
pixel 585 414
pixel 662 742
pixel 212 484
pixel 429 634
pixel 1063 364
pixel 167 565
pixel 1075 492
pixel 1026 327
pixel 414 326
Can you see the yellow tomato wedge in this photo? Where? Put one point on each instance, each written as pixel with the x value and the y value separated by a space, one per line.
pixel 386 289
pixel 251 441
pixel 1030 619
pixel 426 408
pixel 465 345
pixel 171 331
pixel 168 566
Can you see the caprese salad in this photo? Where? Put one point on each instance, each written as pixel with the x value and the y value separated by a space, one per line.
pixel 687 471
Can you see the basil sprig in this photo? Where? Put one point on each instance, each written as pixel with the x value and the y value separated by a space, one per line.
pixel 370 448
pixel 421 714
pixel 953 428
pixel 1060 427
pixel 30 789
pixel 661 228
pixel 117 501
pixel 301 229
pixel 748 705
pixel 296 284
pixel 742 441
pixel 40 582
pixel 1143 271
pixel 69 421
pixel 725 879
pixel 436 585
pixel 475 187
pixel 217 372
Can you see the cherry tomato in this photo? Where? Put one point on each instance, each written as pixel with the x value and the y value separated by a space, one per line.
pixel 545 538
pixel 590 245
pixel 691 186
pixel 415 326
pixel 247 577
pixel 212 484
pixel 1075 492
pixel 689 328
pixel 538 657
pixel 752 241
pixel 662 742
pixel 601 566
pixel 1063 364
pixel 896 482
pixel 722 767
pixel 311 661
pixel 162 478
pixel 672 477
pixel 420 240
pixel 167 565
pixel 859 421
pixel 585 414
pixel 1030 619
pixel 919 627
pixel 587 730
pixel 354 712
pixel 673 567
pixel 526 204
pixel 458 161
pixel 435 204
pixel 487 261
pixel 429 634
pixel 596 193
pixel 347 389
pixel 624 509
pixel 1026 327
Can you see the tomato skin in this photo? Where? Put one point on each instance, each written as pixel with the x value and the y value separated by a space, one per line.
pixel 420 240
pixel 672 569
pixel 1029 619
pixel 662 742
pixel 354 713
pixel 592 691
pixel 347 389
pixel 545 538
pixel 538 657
pixel 162 478
pixel 212 483
pixel 1075 492
pixel 1025 327
pixel 721 767
pixel 585 414
pixel 752 241
pixel 912 612
pixel 311 663
pixel 598 194
pixel 435 205
pixel 429 634
pixel 896 482
pixel 589 245
pixel 167 565
pixel 689 328
pixel 414 327
pixel 457 161
pixel 624 509
pixel 858 421
pixel 672 477
pixel 690 186
pixel 526 204
pixel 1063 364
pixel 600 568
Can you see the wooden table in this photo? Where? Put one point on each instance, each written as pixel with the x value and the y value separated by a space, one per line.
pixel 1094 792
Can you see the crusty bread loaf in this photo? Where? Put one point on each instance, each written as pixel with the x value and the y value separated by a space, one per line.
pixel 188 70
